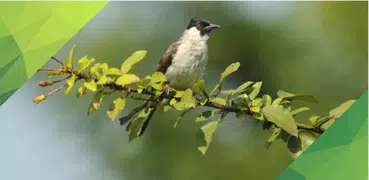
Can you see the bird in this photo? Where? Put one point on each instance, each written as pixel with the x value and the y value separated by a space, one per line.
pixel 183 63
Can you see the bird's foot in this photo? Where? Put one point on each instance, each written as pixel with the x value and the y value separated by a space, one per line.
pixel 167 89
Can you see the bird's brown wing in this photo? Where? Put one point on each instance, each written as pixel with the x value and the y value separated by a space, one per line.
pixel 166 59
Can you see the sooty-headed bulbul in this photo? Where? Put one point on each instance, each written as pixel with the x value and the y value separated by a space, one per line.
pixel 183 63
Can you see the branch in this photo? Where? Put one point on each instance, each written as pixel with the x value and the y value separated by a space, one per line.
pixel 309 128
pixel 223 108
pixel 207 104
pixel 245 100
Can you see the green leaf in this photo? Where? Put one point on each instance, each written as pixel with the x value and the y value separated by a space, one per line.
pixel 199 88
pixel 71 54
pixel 313 120
pixel 113 71
pixel 277 101
pixel 267 100
pixel 323 119
pixel 187 101
pixel 141 84
pixel 96 101
pixel 258 116
pixel 173 101
pixel 298 145
pixel 282 94
pixel 84 62
pixel 255 90
pixel 115 108
pixel 157 77
pixel 65 64
pixel 207 131
pixel 219 101
pixel 102 80
pixel 299 110
pixel 290 96
pixel 127 79
pixel 243 86
pixel 338 111
pixel 257 102
pixel 94 70
pixel 70 83
pixel 179 118
pixel 273 137
pixel 239 89
pixel 81 91
pixel 91 109
pixel 158 87
pixel 206 115
pixel 203 101
pixel 187 98
pixel 245 97
pixel 280 117
pixel 90 85
pixel 133 59
pixel 255 109
pixel 229 70
pixel 178 94
pixel 136 124
pixel 317 120
pixel 104 68
pixel 228 92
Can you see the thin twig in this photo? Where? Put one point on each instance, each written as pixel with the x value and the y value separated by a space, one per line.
pixel 140 99
pixel 60 80
pixel 55 90
pixel 48 69
pixel 57 60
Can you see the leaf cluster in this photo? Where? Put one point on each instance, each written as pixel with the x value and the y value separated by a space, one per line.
pixel 275 114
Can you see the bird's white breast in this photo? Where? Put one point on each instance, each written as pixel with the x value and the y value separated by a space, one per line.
pixel 190 60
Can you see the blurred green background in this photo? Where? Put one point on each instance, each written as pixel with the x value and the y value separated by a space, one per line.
pixel 317 48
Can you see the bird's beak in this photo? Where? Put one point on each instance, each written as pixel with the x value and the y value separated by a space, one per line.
pixel 211 27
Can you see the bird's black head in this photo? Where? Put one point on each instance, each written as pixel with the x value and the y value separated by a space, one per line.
pixel 203 26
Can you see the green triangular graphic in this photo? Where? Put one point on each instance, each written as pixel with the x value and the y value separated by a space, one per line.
pixel 329 159
pixel 5 69
pixel 5 96
pixel 35 31
pixel 291 174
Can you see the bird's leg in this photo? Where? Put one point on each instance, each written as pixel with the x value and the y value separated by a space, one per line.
pixel 167 89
